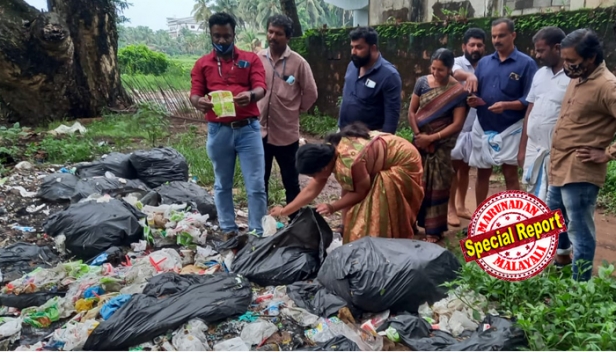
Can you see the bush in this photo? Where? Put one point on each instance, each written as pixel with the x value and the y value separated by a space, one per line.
pixel 139 59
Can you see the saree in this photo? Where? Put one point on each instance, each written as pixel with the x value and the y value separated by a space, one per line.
pixel 435 113
pixel 394 167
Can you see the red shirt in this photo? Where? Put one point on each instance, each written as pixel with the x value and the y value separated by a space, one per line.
pixel 206 78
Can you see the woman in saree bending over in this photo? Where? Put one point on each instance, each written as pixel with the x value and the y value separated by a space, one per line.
pixel 380 175
pixel 436 115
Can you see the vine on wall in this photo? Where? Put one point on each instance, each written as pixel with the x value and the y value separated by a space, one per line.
pixel 525 25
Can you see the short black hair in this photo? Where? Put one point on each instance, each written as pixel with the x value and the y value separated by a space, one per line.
pixel 222 19
pixel 586 43
pixel 367 33
pixel 281 21
pixel 550 35
pixel 476 33
pixel 445 56
pixel 507 21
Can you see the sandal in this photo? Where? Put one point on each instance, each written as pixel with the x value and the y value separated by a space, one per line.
pixel 433 238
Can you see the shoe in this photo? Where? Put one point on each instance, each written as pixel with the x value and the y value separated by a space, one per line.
pixel 229 235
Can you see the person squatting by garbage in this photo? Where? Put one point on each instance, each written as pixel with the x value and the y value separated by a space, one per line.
pixel 436 115
pixel 380 175
pixel 242 73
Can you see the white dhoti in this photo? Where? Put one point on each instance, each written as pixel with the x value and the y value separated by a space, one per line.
pixel 537 157
pixel 464 144
pixel 494 149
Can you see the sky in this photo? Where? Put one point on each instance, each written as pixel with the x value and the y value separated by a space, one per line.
pixel 150 13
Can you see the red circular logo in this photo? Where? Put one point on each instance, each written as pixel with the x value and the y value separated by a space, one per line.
pixel 513 235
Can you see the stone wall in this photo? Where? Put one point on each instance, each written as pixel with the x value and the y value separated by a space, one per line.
pixel 409 47
pixel 383 11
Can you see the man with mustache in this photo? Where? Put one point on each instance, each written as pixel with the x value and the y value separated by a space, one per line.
pixel 473 48
pixel 582 146
pixel 544 101
pixel 504 79
pixel 372 85
pixel 291 90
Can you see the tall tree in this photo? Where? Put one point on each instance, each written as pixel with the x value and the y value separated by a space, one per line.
pixel 61 63
pixel 289 8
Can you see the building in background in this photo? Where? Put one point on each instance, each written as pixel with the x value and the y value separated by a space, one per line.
pixel 176 24
pixel 360 10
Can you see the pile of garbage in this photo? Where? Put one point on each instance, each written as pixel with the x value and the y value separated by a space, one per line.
pixel 139 264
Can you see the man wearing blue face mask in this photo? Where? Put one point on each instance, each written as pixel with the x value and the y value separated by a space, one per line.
pixel 228 68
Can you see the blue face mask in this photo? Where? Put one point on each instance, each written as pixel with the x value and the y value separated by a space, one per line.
pixel 223 49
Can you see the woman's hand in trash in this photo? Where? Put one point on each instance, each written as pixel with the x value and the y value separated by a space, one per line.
pixel 277 211
pixel 325 209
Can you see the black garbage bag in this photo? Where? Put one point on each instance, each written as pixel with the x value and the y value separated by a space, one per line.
pixel 315 298
pixel 116 163
pixel 294 253
pixel 376 274
pixel 166 284
pixel 416 333
pixel 338 343
pixel 159 165
pixel 58 187
pixel 91 227
pixel 102 185
pixel 21 258
pixel 212 298
pixel 26 300
pixel 178 192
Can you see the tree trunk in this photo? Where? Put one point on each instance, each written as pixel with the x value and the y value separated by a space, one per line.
pixel 58 64
pixel 289 8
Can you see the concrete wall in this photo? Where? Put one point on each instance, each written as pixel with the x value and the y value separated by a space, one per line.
pixel 383 11
pixel 409 54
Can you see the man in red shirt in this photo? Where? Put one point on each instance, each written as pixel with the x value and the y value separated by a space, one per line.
pixel 228 68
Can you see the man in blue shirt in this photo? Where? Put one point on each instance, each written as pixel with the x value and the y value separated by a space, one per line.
pixel 372 85
pixel 504 79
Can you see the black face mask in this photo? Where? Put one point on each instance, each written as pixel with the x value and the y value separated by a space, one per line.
pixel 359 61
pixel 574 71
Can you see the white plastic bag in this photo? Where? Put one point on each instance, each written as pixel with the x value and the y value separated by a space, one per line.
pixel 269 225
pixel 235 344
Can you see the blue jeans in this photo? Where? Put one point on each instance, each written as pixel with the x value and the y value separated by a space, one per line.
pixel 577 201
pixel 224 144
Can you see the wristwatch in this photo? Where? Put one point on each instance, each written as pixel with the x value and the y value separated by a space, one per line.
pixel 252 96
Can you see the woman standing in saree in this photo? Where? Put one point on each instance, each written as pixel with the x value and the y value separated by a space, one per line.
pixel 380 175
pixel 436 115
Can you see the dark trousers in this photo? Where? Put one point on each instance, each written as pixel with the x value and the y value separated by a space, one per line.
pixel 285 157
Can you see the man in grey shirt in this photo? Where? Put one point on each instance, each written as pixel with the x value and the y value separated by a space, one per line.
pixel 473 48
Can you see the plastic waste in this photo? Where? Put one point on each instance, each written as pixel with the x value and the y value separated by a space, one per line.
pixel 269 225
pixel 191 337
pixel 377 274
pixel 74 335
pixel 316 299
pixel 91 227
pixel 257 332
pixel 21 258
pixel 103 185
pixel 215 297
pixel 58 187
pixel 159 165
pixel 338 343
pixel 180 192
pixel 234 344
pixel 113 305
pixel 116 163
pixel 294 253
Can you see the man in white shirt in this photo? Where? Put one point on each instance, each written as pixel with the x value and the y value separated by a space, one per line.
pixel 473 48
pixel 544 101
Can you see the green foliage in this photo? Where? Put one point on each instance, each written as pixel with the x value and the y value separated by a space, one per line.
pixel 69 149
pixel 555 312
pixel 405 133
pixel 139 59
pixel 152 118
pixel 8 141
pixel 525 25
pixel 317 124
